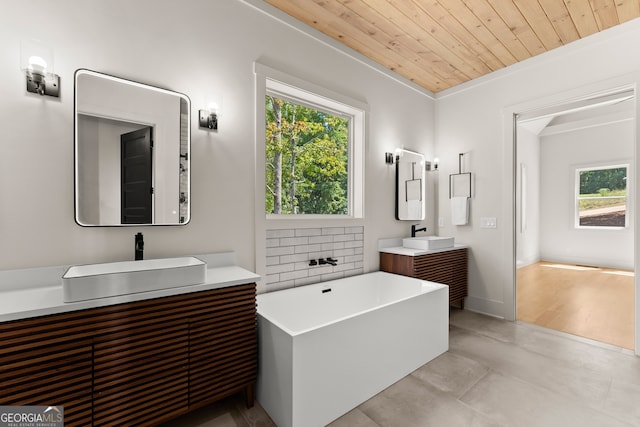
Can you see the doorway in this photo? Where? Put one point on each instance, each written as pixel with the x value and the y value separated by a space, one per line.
pixel 136 185
pixel 574 257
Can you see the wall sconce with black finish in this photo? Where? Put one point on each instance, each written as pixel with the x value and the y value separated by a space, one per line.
pixel 388 158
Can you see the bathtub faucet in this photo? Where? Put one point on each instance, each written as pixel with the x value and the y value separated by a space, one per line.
pixel 331 261
pixel 414 230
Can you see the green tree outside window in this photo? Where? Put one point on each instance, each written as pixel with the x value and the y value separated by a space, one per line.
pixel 307 154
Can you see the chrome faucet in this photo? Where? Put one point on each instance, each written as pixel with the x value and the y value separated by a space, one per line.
pixel 139 246
pixel 414 229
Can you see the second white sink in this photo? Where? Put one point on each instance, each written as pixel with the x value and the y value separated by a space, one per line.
pixel 428 242
pixel 85 282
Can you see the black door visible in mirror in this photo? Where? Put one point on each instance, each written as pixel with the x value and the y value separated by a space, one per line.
pixel 136 187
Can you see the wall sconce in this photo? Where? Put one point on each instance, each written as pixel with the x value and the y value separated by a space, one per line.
pixel 37 63
pixel 209 118
pixel 388 158
pixel 436 162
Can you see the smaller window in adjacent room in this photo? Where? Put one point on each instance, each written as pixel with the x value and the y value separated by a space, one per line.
pixel 601 196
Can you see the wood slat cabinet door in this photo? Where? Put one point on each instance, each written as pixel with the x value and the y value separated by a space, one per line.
pixel 141 373
pixel 43 364
pixel 447 267
pixel 223 346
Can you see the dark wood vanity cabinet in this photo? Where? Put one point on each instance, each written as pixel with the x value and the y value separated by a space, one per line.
pixel 138 363
pixel 223 347
pixel 40 366
pixel 447 267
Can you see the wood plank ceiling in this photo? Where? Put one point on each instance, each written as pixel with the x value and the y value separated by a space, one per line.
pixel 439 44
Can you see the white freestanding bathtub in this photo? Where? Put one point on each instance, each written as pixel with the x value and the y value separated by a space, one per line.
pixel 326 348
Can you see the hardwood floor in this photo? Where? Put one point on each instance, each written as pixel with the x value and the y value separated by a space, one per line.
pixel 590 302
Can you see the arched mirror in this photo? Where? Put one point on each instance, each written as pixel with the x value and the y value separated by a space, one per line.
pixel 132 160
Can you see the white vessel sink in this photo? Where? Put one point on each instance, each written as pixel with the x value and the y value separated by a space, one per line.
pixel 85 282
pixel 428 242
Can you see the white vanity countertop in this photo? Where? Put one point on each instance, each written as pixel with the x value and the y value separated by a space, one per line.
pixel 38 292
pixel 401 250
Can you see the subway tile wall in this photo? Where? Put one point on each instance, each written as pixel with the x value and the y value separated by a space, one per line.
pixel 290 250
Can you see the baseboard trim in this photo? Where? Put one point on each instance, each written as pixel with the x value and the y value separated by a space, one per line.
pixel 485 306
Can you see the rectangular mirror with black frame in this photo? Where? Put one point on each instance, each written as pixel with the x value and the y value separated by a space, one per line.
pixel 410 185
pixel 132 160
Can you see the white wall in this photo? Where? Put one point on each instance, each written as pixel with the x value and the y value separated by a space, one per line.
pixel 476 118
pixel 527 198
pixel 206 50
pixel 561 154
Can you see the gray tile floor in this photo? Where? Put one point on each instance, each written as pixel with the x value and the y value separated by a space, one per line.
pixel 496 373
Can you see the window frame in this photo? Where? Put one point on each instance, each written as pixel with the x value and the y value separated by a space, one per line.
pixel 577 198
pixel 276 83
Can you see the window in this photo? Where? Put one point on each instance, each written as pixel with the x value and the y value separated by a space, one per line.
pixel 313 150
pixel 601 196
pixel 307 159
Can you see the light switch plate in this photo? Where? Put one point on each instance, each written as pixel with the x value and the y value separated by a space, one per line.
pixel 488 222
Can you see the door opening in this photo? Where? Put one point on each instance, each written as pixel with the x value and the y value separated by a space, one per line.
pixel 573 274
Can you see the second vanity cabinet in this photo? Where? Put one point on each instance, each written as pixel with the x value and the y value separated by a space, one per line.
pixel 448 267
pixel 137 363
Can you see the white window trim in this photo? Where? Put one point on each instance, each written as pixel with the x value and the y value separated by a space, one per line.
pixel 577 195
pixel 269 80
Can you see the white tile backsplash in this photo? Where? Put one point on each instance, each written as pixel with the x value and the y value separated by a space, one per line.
pixel 279 268
pixel 280 233
pixel 308 232
pixel 290 250
pixel 320 239
pixel 333 230
pixel 277 250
